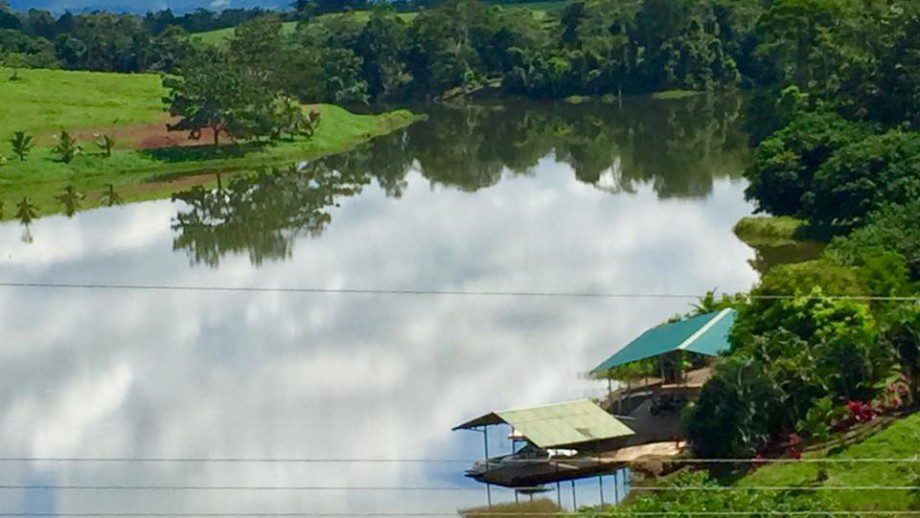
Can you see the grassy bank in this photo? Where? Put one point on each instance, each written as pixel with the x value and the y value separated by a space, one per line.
pixel 768 230
pixel 899 441
pixel 821 477
pixel 675 94
pixel 45 102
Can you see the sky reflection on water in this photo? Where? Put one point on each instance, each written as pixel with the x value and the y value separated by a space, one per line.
pixel 196 374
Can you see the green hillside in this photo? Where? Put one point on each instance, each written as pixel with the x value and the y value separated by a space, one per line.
pixel 818 484
pixel 46 101
pixel 899 441
pixel 129 107
pixel 219 37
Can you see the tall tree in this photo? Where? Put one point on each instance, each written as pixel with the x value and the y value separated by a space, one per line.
pixel 211 93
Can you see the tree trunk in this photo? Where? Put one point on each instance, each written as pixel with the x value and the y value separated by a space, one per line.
pixel 216 130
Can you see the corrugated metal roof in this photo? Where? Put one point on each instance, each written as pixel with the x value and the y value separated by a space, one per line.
pixel 558 425
pixel 704 334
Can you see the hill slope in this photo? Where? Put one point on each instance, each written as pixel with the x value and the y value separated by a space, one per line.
pixel 901 440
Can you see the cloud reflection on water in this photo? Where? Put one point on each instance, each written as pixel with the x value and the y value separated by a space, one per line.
pixel 191 374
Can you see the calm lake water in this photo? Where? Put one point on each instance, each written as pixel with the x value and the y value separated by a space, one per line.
pixel 515 197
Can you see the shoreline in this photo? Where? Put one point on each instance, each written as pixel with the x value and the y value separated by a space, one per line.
pixel 133 169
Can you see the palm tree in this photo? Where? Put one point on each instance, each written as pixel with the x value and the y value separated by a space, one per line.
pixel 67 147
pixel 22 144
pixel 26 211
pixel 105 143
pixel 110 197
pixel 71 199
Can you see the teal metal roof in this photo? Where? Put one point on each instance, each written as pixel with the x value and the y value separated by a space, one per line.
pixel 557 425
pixel 703 334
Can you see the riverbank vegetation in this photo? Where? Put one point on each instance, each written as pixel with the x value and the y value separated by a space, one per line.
pixel 843 165
pixel 825 346
pixel 733 494
pixel 128 110
pixel 768 230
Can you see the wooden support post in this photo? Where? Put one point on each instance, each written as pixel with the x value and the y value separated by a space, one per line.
pixel 558 487
pixel 485 442
pixel 574 501
pixel 600 486
pixel 616 487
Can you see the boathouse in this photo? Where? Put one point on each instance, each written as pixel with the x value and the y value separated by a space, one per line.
pixel 661 370
pixel 562 441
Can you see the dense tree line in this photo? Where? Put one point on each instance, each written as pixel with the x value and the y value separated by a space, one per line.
pixel 855 53
pixel 839 149
pixel 455 46
pixel 104 41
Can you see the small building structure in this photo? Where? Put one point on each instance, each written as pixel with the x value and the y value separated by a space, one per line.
pixel 562 441
pixel 663 369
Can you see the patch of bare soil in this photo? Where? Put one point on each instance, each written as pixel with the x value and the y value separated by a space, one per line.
pixel 148 136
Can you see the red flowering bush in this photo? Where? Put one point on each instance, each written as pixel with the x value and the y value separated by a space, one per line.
pixel 894 396
pixel 861 412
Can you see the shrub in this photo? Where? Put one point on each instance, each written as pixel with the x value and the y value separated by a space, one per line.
pixel 67 148
pixel 822 418
pixel 731 419
pixel 786 162
pixel 861 177
pixel 106 143
pixel 892 228
pixel 753 503
pixel 22 144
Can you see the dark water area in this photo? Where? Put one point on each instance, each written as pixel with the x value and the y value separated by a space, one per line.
pixel 639 198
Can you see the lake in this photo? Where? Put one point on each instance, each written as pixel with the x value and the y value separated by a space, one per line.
pixel 638 198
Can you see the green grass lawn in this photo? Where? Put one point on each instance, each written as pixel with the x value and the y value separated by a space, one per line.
pixel 768 230
pixel 218 38
pixel 899 441
pixel 46 101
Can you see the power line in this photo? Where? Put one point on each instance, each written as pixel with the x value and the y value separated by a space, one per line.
pixel 493 513
pixel 307 460
pixel 462 293
pixel 72 487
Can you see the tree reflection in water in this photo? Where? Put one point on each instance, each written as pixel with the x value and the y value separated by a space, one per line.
pixel 678 147
pixel 258 214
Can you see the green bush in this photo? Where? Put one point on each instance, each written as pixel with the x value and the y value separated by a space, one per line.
pixel 731 419
pixel 785 163
pixel 863 176
pixel 683 499
pixel 762 315
pixel 821 418
pixel 893 228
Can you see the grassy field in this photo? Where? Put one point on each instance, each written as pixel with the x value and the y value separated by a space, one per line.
pixel 45 102
pixel 219 37
pixel 899 441
pixel 818 480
